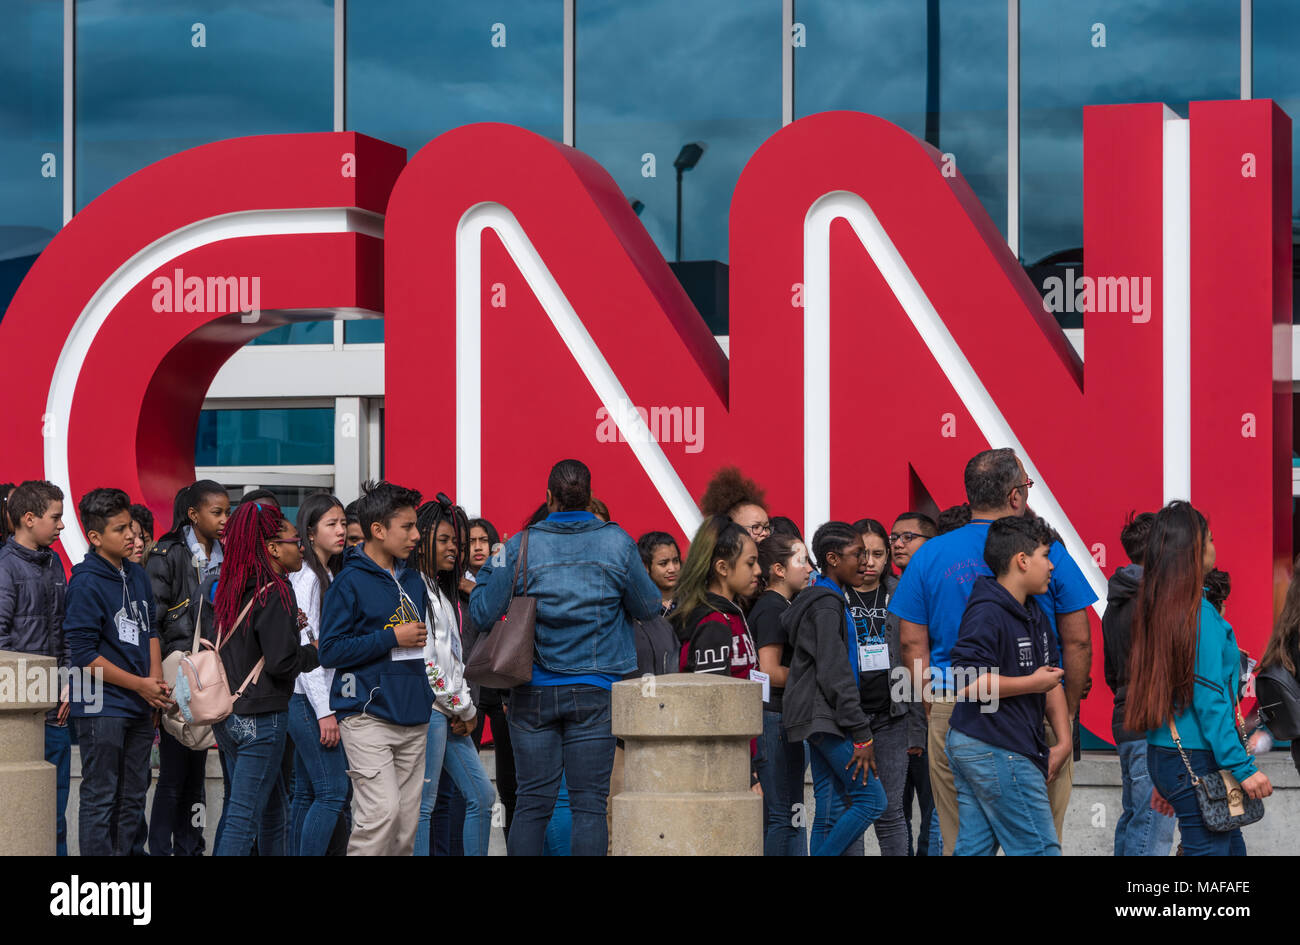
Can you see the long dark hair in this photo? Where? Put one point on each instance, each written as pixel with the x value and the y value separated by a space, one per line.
pixel 718 539
pixel 246 560
pixel 310 513
pixel 1286 631
pixel 425 557
pixel 7 527
pixel 776 548
pixel 1162 658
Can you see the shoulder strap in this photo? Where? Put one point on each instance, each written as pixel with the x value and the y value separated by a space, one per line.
pixel 240 619
pixel 522 560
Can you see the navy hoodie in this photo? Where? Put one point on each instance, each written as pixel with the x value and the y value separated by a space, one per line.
pixel 997 631
pixel 357 639
pixel 96 592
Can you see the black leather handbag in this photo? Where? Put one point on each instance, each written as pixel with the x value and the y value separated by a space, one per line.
pixel 1224 805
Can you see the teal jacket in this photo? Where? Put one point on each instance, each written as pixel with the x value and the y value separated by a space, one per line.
pixel 1210 722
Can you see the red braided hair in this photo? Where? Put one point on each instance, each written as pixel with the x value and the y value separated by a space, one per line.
pixel 245 559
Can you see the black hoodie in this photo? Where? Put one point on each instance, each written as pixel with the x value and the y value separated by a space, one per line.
pixel 821 693
pixel 1116 636
pixel 268 631
pixel 998 632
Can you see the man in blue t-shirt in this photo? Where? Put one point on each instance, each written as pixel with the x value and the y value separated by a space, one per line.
pixel 931 597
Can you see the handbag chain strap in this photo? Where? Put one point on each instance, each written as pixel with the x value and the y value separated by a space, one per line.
pixel 1241 732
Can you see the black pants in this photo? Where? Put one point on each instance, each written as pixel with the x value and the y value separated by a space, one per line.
pixel 505 757
pixel 172 828
pixel 918 783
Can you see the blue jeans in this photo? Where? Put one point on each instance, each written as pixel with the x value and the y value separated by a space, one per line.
pixel 781 775
pixel 1170 778
pixel 114 774
pixel 1140 831
pixel 458 754
pixel 1001 800
pixel 559 830
pixel 863 803
pixel 253 746
pixel 58 752
pixel 561 732
pixel 320 783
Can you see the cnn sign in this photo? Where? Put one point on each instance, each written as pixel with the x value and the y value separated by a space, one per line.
pixel 881 330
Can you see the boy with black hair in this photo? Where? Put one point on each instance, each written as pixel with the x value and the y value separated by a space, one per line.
pixel 355 535
pixel 32 597
pixel 110 630
pixel 372 634
pixel 1140 830
pixel 1008 657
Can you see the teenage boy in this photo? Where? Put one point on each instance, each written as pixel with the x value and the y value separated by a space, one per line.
pixel 110 631
pixel 32 592
pixel 372 635
pixel 996 746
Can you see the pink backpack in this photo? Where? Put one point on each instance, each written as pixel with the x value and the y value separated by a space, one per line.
pixel 204 675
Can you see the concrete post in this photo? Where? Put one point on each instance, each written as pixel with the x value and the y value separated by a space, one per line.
pixel 686 766
pixel 27 782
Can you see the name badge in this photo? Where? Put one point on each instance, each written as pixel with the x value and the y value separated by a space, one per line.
pixel 766 680
pixel 128 631
pixel 873 657
pixel 406 653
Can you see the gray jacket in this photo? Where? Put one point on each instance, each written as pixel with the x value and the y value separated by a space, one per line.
pixel 33 592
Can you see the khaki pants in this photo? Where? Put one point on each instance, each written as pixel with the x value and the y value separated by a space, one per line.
pixel 615 787
pixel 943 788
pixel 386 765
pixel 1058 792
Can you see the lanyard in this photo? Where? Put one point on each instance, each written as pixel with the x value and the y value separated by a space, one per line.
pixel 404 600
pixel 873 636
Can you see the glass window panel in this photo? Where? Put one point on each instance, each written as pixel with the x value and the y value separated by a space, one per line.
pixel 939 70
pixel 155 77
pixel 31 136
pixel 653 77
pixel 299 333
pixel 363 331
pixel 1171 51
pixel 416 69
pixel 265 437
pixel 1276 34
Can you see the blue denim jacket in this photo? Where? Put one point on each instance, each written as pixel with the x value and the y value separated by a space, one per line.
pixel 589 583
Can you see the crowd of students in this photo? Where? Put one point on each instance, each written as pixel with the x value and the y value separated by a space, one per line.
pixel 940 661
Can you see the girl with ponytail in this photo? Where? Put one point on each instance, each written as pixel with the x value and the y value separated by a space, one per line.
pixel 257 618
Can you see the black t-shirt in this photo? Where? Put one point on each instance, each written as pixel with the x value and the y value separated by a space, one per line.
pixel 869 610
pixel 765 626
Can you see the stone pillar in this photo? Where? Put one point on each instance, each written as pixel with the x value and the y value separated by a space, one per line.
pixel 27 782
pixel 686 766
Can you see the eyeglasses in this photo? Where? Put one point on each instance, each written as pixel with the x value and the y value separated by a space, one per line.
pixel 904 538
pixel 287 541
pixel 758 529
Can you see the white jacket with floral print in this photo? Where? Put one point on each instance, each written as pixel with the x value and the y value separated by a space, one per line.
pixel 443 658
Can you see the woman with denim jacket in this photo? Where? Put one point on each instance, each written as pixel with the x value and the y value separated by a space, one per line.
pixel 1184 667
pixel 441 557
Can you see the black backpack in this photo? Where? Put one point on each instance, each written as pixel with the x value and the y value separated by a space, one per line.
pixel 1278 693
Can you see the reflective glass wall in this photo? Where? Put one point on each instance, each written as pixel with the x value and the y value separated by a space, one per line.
pixel 31 135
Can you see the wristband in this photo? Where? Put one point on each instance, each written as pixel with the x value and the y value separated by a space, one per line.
pixel 866 744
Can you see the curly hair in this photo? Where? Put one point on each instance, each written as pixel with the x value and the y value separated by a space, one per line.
pixel 728 489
